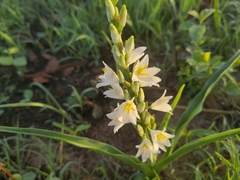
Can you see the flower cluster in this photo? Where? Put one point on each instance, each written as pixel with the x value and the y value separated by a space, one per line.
pixel 132 74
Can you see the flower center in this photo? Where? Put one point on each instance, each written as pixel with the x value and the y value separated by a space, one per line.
pixel 161 137
pixel 128 107
pixel 104 69
pixel 145 146
pixel 140 70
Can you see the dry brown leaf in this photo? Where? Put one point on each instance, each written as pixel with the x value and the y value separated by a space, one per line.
pixel 67 71
pixel 42 78
pixel 52 64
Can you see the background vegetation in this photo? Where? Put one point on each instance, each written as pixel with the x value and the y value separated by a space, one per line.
pixel 188 40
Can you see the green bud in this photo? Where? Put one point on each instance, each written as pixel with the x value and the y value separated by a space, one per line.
pixel 116 38
pixel 110 10
pixel 123 16
pixel 141 107
pixel 116 54
pixel 120 76
pixel 147 119
pixel 127 84
pixel 153 124
pixel 126 95
pixel 122 61
pixel 129 45
pixel 135 87
pixel 141 96
pixel 140 130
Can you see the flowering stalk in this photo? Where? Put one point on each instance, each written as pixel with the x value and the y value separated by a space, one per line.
pixel 127 83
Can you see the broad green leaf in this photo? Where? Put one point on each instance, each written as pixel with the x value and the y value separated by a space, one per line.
pixel 6 60
pixel 97 112
pixel 196 104
pixel 84 142
pixel 29 175
pixel 204 14
pixel 187 148
pixel 12 50
pixel 20 61
pixel 196 33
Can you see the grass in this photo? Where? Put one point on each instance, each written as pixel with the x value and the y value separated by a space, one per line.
pixel 77 30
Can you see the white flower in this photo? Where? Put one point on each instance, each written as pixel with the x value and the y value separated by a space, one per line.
pixel 162 103
pixel 145 149
pixel 108 78
pixel 116 92
pixel 145 75
pixel 135 55
pixel 160 139
pixel 128 112
pixel 117 123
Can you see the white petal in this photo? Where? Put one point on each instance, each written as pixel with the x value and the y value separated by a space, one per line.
pixel 115 93
pixel 136 54
pixel 162 104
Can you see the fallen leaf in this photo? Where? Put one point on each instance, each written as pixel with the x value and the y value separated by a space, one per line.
pixel 67 71
pixel 52 64
pixel 42 78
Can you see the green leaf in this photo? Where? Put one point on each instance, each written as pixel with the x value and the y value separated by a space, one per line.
pixel 6 60
pixel 84 142
pixel 29 176
pixel 17 177
pixel 187 148
pixel 82 127
pixel 196 104
pixel 28 94
pixel 204 14
pixel 196 33
pixel 20 61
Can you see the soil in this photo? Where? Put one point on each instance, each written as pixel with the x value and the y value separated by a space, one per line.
pixel 125 139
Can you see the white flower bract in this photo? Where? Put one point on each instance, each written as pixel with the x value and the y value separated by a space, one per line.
pixel 145 149
pixel 108 78
pixel 116 92
pixel 143 74
pixel 162 103
pixel 127 110
pixel 160 139
pixel 117 123
pixel 135 55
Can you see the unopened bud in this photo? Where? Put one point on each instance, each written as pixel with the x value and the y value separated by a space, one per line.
pixel 153 123
pixel 120 76
pixel 126 95
pixel 123 17
pixel 141 107
pixel 127 84
pixel 147 119
pixel 129 45
pixel 123 61
pixel 116 38
pixel 140 130
pixel 135 87
pixel 141 96
pixel 110 10
pixel 116 54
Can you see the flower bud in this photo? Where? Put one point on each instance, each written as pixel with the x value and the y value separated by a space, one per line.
pixel 126 95
pixel 141 107
pixel 116 54
pixel 129 45
pixel 127 84
pixel 147 119
pixel 135 87
pixel 110 10
pixel 116 38
pixel 123 62
pixel 140 130
pixel 120 76
pixel 141 96
pixel 123 17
